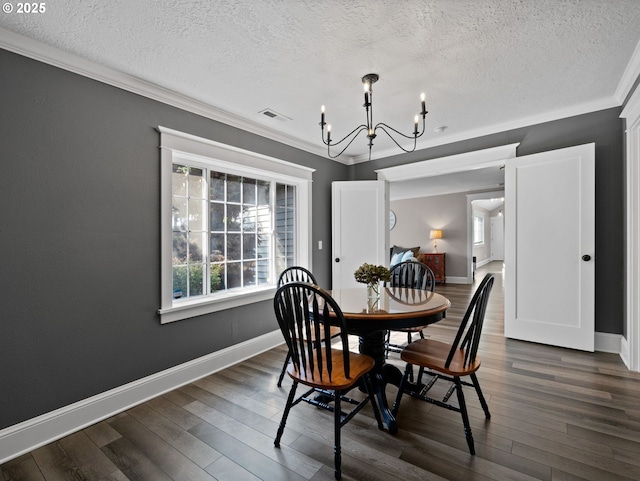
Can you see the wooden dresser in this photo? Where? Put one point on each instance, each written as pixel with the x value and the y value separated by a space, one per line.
pixel 436 262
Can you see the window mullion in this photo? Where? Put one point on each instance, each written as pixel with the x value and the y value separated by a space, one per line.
pixel 273 208
pixel 206 258
pixel 242 232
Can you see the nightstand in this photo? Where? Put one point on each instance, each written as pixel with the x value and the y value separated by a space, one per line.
pixel 436 262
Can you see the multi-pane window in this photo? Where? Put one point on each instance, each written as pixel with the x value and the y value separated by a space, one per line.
pixel 231 221
pixel 478 229
pixel 224 229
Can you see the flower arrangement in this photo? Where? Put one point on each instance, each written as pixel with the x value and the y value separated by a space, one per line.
pixel 371 274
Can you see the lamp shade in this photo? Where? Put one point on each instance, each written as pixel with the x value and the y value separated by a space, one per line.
pixel 435 234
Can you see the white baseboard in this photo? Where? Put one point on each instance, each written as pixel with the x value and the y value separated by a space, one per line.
pixel 483 262
pixel 458 280
pixel 33 433
pixel 625 352
pixel 606 342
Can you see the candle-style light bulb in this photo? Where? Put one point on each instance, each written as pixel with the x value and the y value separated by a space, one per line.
pixel 422 99
pixel 329 133
pixel 322 116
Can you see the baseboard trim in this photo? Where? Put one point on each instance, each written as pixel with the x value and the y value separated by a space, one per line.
pixel 607 342
pixel 36 432
pixel 484 262
pixel 625 352
pixel 458 280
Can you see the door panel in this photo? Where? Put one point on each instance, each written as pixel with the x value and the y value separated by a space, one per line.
pixel 549 226
pixel 497 238
pixel 360 228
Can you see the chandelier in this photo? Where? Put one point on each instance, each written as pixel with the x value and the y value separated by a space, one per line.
pixel 371 129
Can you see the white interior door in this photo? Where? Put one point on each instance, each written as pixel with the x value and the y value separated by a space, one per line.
pixel 360 228
pixel 549 247
pixel 497 238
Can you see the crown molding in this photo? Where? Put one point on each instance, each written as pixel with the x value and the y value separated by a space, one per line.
pixel 551 116
pixel 629 77
pixel 50 55
pixel 631 111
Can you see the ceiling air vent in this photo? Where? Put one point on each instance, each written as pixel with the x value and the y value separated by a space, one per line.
pixel 272 114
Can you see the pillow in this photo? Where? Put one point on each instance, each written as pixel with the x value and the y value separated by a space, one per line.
pixel 407 256
pixel 396 249
pixel 396 258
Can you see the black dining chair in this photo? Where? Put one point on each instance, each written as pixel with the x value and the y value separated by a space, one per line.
pixel 333 372
pixel 450 361
pixel 412 275
pixel 297 274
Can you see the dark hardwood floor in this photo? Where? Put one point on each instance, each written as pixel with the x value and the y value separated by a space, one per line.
pixel 557 415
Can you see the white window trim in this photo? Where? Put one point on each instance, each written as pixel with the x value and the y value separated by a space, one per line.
pixel 481 242
pixel 177 145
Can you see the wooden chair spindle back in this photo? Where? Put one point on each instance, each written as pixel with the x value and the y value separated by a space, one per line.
pixel 413 275
pixel 477 307
pixel 300 308
pixel 296 274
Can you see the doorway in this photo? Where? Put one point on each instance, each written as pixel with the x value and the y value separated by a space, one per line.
pixel 488 205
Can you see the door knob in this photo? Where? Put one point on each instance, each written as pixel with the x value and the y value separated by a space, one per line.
pixel 586 257
pixel 337 259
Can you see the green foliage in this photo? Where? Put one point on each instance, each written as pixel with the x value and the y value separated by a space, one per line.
pixel 372 274
pixel 216 276
pixel 195 275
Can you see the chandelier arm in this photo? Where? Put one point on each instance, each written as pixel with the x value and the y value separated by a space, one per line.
pixel 359 128
pixel 382 127
pixel 382 124
pixel 362 127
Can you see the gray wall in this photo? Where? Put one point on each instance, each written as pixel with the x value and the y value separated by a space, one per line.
pixel 79 239
pixel 605 128
pixel 415 217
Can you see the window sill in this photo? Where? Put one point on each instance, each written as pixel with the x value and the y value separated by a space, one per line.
pixel 219 302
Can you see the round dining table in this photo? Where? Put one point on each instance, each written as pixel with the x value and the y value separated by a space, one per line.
pixel 370 318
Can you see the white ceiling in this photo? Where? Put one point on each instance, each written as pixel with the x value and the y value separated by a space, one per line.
pixel 489 204
pixel 485 65
pixel 490 178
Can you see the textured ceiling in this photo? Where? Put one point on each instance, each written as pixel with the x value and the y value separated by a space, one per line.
pixel 483 64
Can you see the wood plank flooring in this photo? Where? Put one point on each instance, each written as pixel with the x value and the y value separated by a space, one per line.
pixel 557 415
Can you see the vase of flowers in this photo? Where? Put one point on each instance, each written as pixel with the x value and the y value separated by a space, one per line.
pixel 371 275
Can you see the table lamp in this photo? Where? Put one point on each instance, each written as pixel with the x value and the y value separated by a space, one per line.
pixel 435 234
